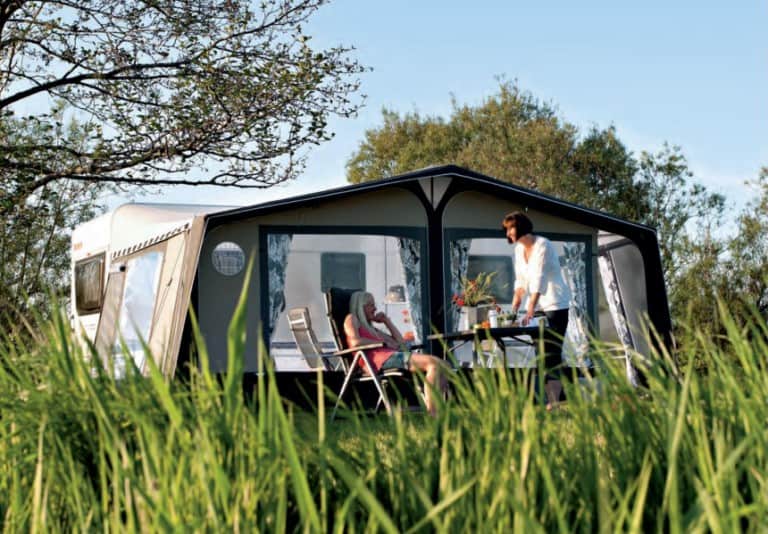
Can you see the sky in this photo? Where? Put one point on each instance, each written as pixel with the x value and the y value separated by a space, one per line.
pixel 693 74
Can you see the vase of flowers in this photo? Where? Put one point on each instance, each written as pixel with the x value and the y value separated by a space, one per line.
pixel 474 300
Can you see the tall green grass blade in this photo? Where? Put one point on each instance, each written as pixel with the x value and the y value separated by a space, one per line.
pixel 443 505
pixel 641 494
pixel 304 497
pixel 369 500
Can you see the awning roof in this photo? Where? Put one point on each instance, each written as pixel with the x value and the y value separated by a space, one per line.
pixel 468 180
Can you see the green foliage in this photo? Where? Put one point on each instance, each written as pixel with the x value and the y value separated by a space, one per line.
pixel 698 284
pixel 732 269
pixel 682 211
pixel 79 451
pixel 748 249
pixel 512 135
pixel 35 222
pixel 604 174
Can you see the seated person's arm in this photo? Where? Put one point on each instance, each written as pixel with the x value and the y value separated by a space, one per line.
pixel 394 339
pixel 352 331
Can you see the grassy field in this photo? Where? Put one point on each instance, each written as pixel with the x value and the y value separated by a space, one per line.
pixel 79 451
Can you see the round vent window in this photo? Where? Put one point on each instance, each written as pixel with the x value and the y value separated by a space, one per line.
pixel 228 258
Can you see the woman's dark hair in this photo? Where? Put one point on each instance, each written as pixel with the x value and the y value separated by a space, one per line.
pixel 520 221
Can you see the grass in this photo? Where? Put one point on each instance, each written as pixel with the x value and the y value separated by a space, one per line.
pixel 79 451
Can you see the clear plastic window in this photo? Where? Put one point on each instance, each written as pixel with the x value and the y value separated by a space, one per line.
pixel 142 275
pixel 228 258
pixel 471 255
pixel 301 267
pixel 503 283
pixel 342 269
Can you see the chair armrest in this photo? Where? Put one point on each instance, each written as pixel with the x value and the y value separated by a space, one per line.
pixel 359 347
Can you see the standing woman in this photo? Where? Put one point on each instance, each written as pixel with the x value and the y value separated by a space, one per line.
pixel 538 275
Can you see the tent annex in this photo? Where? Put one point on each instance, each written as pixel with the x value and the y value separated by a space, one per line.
pixel 406 239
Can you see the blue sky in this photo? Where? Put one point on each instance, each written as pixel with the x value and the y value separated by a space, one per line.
pixel 694 74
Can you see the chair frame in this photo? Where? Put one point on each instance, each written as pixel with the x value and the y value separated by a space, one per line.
pixel 300 324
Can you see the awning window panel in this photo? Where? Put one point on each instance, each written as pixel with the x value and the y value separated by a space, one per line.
pixel 142 274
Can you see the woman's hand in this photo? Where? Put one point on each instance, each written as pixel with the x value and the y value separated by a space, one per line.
pixel 526 318
pixel 380 317
pixel 532 300
pixel 394 339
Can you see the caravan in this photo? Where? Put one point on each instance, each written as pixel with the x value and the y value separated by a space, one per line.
pixel 408 239
pixel 136 236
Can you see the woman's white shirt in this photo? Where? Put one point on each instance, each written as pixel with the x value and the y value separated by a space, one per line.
pixel 542 274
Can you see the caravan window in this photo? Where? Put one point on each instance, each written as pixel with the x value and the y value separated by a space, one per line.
pixel 228 258
pixel 342 269
pixel 89 284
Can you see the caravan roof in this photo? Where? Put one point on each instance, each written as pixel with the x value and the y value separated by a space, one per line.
pixel 134 225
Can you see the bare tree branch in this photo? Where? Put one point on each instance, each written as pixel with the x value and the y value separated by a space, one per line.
pixel 167 87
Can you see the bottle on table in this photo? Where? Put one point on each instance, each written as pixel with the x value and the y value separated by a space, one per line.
pixel 493 318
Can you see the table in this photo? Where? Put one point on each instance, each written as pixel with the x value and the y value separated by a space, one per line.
pixel 497 334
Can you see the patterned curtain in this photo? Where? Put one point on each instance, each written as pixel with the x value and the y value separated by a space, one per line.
pixel 573 263
pixel 616 307
pixel 278 246
pixel 459 250
pixel 410 261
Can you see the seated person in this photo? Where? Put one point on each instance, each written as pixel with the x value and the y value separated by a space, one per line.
pixel 360 331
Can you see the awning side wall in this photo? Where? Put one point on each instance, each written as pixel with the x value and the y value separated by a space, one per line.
pixel 217 295
pixel 171 300
pixel 182 276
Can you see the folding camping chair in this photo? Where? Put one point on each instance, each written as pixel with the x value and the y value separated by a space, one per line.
pixel 345 360
pixel 303 334
pixel 337 307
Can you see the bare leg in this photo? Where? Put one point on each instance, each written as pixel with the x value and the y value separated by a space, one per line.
pixel 433 369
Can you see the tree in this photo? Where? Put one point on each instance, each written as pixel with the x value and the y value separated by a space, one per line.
pixel 402 144
pixel 697 284
pixel 602 173
pixel 164 87
pixel 34 237
pixel 512 136
pixel 747 264
pixel 683 213
pixel 731 271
